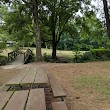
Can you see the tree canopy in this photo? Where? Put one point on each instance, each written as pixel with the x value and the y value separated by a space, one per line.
pixel 55 23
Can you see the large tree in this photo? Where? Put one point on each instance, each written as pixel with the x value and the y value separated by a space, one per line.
pixel 55 16
pixel 32 6
pixel 107 17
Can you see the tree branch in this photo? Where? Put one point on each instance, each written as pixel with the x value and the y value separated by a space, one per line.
pixel 62 29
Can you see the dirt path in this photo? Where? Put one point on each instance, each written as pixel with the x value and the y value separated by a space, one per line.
pixel 17 63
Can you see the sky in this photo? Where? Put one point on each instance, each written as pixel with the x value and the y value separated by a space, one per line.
pixel 98 4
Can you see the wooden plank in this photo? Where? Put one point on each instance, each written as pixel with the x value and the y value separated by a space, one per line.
pixel 29 78
pixel 41 77
pixel 4 97
pixel 36 100
pixel 17 101
pixel 59 106
pixel 56 87
pixel 1 87
pixel 17 79
pixel 4 88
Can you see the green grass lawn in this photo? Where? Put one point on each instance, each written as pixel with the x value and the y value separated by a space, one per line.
pixel 99 83
pixel 60 53
pixel 6 51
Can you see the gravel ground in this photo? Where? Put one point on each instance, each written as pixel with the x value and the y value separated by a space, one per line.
pixel 78 98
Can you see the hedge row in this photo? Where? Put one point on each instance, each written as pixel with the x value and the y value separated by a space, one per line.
pixel 94 55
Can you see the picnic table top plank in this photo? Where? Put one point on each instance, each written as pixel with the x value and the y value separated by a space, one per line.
pixel 36 100
pixel 41 77
pixel 17 79
pixel 4 88
pixel 59 106
pixel 56 87
pixel 4 97
pixel 1 87
pixel 17 101
pixel 29 78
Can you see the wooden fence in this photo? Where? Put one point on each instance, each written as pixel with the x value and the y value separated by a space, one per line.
pixel 12 55
pixel 28 55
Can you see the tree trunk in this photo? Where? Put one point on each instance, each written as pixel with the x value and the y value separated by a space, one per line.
pixel 106 11
pixel 37 30
pixel 54 45
pixel 54 50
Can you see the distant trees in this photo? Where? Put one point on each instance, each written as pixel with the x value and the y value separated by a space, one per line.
pixel 2 46
pixel 90 33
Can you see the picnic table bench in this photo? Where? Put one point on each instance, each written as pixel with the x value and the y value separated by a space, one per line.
pixel 57 90
pixel 59 106
pixel 31 98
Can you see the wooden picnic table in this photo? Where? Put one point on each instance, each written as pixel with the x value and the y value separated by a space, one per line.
pixel 23 100
pixel 29 77
pixel 32 98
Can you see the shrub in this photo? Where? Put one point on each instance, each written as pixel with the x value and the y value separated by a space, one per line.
pixel 2 46
pixel 3 60
pixel 63 60
pixel 101 54
pixel 93 55
pixel 48 58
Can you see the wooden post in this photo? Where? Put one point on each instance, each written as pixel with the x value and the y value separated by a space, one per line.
pixel 24 57
pixel 8 56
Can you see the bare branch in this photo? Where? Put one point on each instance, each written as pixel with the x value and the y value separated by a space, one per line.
pixel 62 29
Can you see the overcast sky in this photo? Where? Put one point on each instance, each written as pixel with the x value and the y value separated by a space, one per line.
pixel 98 4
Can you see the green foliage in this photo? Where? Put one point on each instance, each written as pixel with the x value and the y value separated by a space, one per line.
pixel 3 60
pixel 48 58
pixel 18 23
pixel 58 21
pixel 66 42
pixel 90 33
pixel 57 17
pixel 77 57
pixel 2 46
pixel 93 55
pixel 16 45
pixel 101 54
